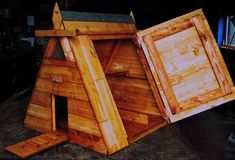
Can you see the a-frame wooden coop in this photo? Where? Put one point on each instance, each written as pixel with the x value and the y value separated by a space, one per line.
pixel 119 86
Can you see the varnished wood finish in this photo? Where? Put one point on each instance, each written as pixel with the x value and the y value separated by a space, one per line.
pixel 37 144
pixel 193 73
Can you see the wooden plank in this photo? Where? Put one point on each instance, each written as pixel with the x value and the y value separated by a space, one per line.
pixel 111 36
pixel 53 112
pixel 133 95
pixel 80 108
pixel 99 94
pixel 127 59
pixel 158 122
pixel 162 74
pixel 88 141
pixel 67 74
pixel 55 33
pixel 203 107
pixel 100 28
pixel 211 54
pixel 39 111
pixel 83 124
pixel 134 116
pixel 57 22
pixel 51 47
pixel 37 144
pixel 41 98
pixel 37 124
pixel 55 62
pixel 164 31
pixel 152 82
pixel 72 90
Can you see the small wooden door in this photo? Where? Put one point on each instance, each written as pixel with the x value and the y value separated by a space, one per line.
pixel 187 65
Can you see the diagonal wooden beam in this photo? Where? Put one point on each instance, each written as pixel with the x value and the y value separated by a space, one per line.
pixel 58 25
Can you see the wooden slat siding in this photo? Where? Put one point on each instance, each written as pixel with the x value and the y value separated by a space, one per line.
pixel 134 116
pixel 104 49
pixel 198 22
pixel 158 122
pixel 217 51
pixel 164 31
pixel 127 59
pixel 162 74
pixel 54 62
pixel 55 33
pixel 80 108
pixel 57 22
pixel 133 95
pixel 112 55
pixel 152 82
pixel 37 144
pixel 100 28
pixel 167 109
pixel 39 111
pixel 38 124
pixel 41 98
pixel 51 47
pixel 72 90
pixel 83 124
pixel 99 94
pixel 67 74
pixel 88 141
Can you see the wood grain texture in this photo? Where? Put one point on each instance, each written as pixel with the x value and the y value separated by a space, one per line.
pixel 37 144
pixel 100 28
pixel 193 64
pixel 99 94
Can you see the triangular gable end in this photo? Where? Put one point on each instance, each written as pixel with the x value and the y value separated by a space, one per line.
pixel 81 79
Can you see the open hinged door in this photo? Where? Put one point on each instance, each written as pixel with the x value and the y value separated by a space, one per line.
pixel 186 65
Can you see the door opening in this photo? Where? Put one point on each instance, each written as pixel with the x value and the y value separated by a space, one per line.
pixel 61 113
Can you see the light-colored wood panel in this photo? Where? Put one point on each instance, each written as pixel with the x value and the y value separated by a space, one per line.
pixel 203 98
pixel 72 90
pixel 99 28
pixel 83 124
pixel 67 74
pixel 161 73
pixel 41 98
pixel 134 116
pixel 80 108
pixel 38 124
pixel 39 111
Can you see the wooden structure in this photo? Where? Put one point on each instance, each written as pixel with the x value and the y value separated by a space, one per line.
pixel 119 87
